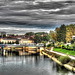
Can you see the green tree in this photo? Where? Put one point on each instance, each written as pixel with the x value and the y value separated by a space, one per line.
pixel 46 38
pixel 37 38
pixel 29 34
pixel 53 35
pixel 70 32
pixel 61 34
pixel 41 33
pixel 44 42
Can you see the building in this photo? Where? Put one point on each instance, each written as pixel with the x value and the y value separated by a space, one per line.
pixel 73 37
pixel 24 41
pixel 15 40
pixel 6 40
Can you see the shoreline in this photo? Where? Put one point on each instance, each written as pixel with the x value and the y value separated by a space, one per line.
pixel 67 66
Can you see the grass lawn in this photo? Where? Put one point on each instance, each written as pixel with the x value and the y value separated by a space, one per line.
pixel 65 51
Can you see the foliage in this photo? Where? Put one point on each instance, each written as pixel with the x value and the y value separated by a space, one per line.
pixel 70 31
pixel 29 34
pixel 59 44
pixel 72 63
pixel 37 38
pixel 61 34
pixel 74 47
pixel 63 47
pixel 41 33
pixel 44 43
pixel 64 59
pixel 48 48
pixel 72 41
pixel 53 35
pixel 50 45
pixel 46 37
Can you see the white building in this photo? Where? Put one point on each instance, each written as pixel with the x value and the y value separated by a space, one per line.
pixel 24 41
pixel 6 40
pixel 73 37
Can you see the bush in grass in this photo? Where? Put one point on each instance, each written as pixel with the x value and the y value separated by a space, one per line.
pixel 69 47
pixel 50 45
pixel 64 59
pixel 72 41
pixel 74 47
pixel 63 47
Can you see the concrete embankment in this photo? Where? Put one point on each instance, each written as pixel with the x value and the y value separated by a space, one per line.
pixel 67 66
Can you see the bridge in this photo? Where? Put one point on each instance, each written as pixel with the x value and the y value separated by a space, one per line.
pixel 17 49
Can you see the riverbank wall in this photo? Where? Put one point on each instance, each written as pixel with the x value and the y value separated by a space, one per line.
pixel 67 66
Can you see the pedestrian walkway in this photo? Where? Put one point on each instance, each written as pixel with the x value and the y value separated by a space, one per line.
pixel 72 57
pixel 62 54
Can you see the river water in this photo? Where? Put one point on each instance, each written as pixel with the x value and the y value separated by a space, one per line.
pixel 30 65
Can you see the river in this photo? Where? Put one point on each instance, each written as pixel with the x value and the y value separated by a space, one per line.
pixel 30 65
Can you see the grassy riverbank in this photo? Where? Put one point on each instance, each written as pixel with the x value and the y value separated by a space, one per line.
pixel 65 51
pixel 65 61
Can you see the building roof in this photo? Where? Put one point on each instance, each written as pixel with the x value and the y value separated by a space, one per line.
pixel 8 38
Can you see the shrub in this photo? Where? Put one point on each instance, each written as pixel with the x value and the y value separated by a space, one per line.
pixel 64 59
pixel 67 46
pixel 74 47
pixel 72 63
pixel 48 48
pixel 63 47
pixel 72 41
pixel 49 45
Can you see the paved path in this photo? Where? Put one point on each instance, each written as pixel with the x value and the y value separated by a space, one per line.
pixel 62 54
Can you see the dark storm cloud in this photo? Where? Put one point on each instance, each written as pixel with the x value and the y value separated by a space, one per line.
pixel 37 13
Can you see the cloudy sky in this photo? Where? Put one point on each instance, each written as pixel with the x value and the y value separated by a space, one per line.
pixel 21 16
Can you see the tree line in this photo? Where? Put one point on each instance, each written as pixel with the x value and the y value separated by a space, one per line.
pixel 39 37
pixel 64 33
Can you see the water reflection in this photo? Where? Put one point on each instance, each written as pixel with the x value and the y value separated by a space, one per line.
pixel 31 65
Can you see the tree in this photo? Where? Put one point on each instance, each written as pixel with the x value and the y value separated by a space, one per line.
pixel 61 33
pixel 70 32
pixel 41 33
pixel 53 35
pixel 29 34
pixel 37 38
pixel 46 38
pixel 72 41
pixel 44 42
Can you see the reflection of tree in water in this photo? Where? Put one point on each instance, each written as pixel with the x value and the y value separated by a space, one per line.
pixel 45 56
pixel 54 65
pixel 61 69
pixel 37 60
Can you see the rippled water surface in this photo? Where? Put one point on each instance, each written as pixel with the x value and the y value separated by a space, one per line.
pixel 31 65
